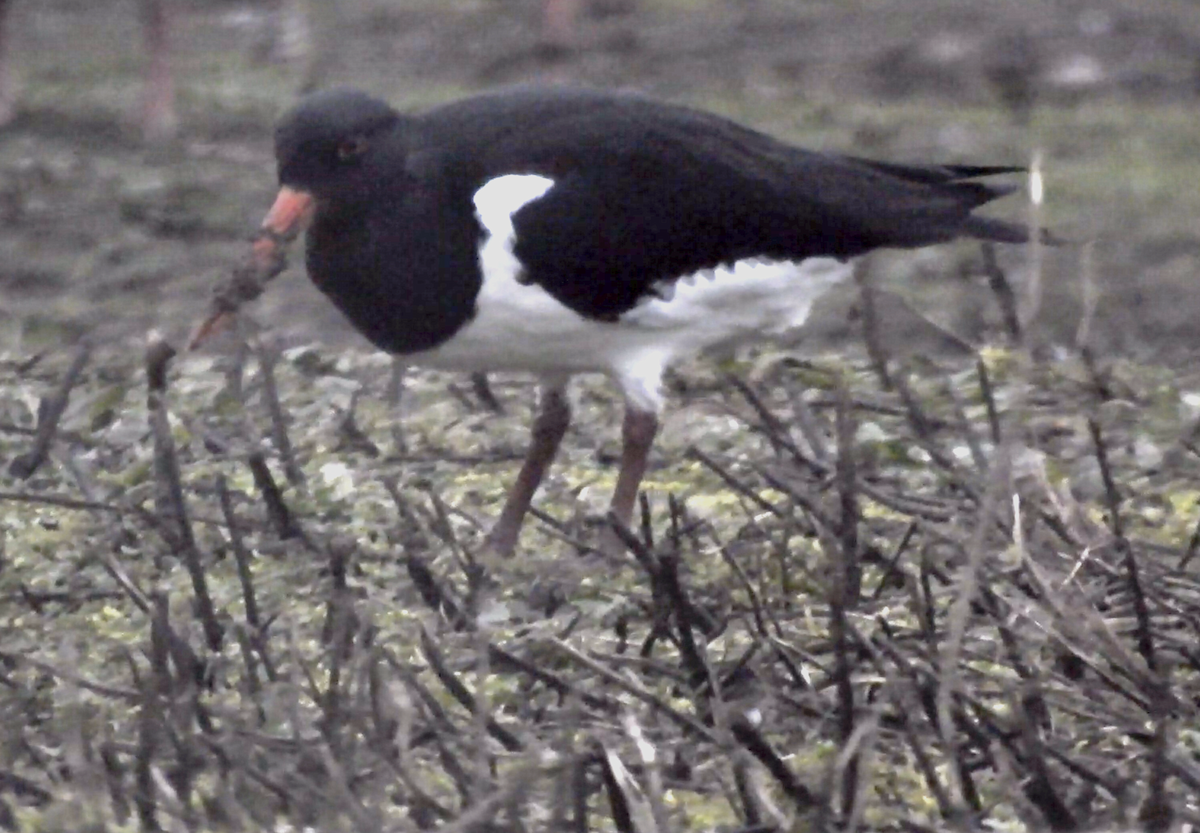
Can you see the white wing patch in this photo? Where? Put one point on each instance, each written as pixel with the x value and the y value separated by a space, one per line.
pixel 517 326
pixel 495 204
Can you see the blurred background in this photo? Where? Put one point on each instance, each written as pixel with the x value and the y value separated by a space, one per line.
pixel 135 156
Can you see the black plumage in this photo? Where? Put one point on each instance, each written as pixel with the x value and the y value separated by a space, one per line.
pixel 644 192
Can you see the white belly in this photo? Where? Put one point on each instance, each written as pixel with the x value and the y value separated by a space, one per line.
pixel 522 327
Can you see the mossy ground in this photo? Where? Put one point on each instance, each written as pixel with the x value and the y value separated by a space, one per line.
pixel 108 238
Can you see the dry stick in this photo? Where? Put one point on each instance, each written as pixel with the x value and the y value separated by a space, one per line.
pixel 1036 787
pixel 924 763
pixel 250 659
pixel 432 590
pixel 241 556
pixel 434 595
pixel 923 429
pixel 661 603
pixel 337 633
pixel 1145 634
pixel 960 610
pixel 483 392
pixel 652 772
pixel 114 780
pixel 1188 554
pixel 667 575
pixel 268 358
pixel 1155 813
pixel 910 505
pixel 756 606
pixel 771 428
pixel 1084 772
pixel 891 566
pixel 806 422
pixel 847 484
pixel 444 529
pixel 755 804
pixel 158 355
pixel 622 808
pixel 395 759
pixel 336 777
pixel 437 713
pixel 643 505
pixel 845 590
pixel 556 529
pixel 967 428
pixel 989 400
pixel 64 502
pixel 519 779
pixel 1039 786
pixel 281 518
pixel 757 745
pixel 504 660
pixel 112 692
pixel 988 507
pixel 733 482
pixel 1083 624
pixel 1002 289
pixel 350 435
pixel 861 403
pixel 480 715
pixel 462 694
pixel 821 523
pixel 156 689
pixel 50 411
pixel 579 795
pixel 686 722
pixel 125 582
pixel 856 752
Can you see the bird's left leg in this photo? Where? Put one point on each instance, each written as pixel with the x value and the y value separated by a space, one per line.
pixel 549 426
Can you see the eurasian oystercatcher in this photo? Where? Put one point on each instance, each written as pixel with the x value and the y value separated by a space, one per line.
pixel 562 231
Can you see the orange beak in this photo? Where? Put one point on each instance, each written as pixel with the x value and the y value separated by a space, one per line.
pixel 290 214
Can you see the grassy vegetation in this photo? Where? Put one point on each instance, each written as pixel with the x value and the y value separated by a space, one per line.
pixel 1056 607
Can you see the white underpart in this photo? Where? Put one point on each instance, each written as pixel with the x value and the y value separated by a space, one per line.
pixel 522 327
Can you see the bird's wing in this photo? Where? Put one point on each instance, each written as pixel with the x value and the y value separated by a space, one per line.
pixel 645 195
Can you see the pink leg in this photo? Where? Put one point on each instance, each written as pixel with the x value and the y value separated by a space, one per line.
pixel 8 81
pixel 637 436
pixel 158 97
pixel 548 430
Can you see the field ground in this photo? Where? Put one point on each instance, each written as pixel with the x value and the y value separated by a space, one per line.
pixel 969 591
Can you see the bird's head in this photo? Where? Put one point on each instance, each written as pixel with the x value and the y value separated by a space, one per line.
pixel 333 146
pixel 333 150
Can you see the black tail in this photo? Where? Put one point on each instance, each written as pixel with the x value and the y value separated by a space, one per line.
pixel 960 178
pixel 947 174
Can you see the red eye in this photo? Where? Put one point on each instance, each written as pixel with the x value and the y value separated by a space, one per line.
pixel 352 148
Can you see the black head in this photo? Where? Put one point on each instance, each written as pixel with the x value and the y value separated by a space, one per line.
pixel 335 144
